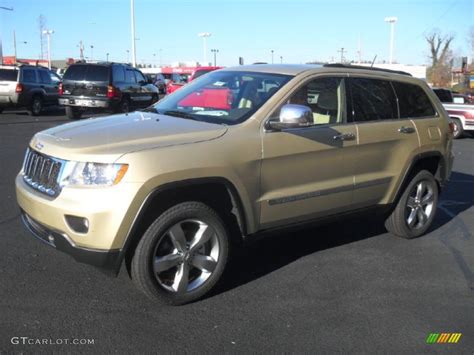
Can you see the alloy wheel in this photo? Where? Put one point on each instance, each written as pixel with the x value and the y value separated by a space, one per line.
pixel 420 202
pixel 186 256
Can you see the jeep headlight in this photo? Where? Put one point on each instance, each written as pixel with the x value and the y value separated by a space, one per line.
pixel 92 174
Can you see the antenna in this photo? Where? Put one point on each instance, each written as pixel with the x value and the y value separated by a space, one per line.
pixel 371 65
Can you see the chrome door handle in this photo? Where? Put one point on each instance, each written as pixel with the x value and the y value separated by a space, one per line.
pixel 404 129
pixel 344 137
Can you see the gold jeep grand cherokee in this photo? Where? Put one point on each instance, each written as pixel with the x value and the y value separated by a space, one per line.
pixel 172 189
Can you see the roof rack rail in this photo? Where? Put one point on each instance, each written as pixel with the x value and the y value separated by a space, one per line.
pixel 349 66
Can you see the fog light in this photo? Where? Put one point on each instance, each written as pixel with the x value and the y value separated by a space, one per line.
pixel 77 224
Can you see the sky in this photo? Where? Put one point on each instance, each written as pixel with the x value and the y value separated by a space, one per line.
pixel 296 31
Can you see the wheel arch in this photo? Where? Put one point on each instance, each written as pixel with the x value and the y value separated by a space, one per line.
pixel 432 161
pixel 217 192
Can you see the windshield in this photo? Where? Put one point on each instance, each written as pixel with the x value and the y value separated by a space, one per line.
pixel 222 96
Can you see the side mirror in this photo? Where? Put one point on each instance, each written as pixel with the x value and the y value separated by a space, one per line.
pixel 292 116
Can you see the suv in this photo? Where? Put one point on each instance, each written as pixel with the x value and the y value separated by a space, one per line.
pixel 113 86
pixel 171 190
pixel 28 86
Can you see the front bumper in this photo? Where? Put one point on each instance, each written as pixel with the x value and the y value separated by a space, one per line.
pixel 107 261
pixel 85 102
pixel 109 212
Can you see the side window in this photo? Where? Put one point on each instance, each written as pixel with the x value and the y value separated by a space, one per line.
pixel 139 76
pixel 44 77
pixel 29 75
pixel 372 100
pixel 325 98
pixel 129 76
pixel 118 73
pixel 413 101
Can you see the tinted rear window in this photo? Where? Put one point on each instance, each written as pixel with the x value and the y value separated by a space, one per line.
pixel 87 73
pixel 444 95
pixel 372 100
pixel 413 101
pixel 8 75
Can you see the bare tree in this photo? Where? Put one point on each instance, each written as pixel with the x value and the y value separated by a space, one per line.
pixel 440 54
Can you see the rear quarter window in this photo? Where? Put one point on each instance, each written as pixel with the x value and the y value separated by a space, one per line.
pixel 8 74
pixel 413 101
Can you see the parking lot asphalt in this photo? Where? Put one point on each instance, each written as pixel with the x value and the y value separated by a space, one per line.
pixel 345 287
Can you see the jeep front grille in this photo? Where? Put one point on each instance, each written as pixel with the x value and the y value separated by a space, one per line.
pixel 42 172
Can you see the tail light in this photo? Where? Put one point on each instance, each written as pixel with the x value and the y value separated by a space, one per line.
pixel 112 92
pixel 60 89
pixel 19 88
pixel 230 98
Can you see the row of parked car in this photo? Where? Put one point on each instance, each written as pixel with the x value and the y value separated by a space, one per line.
pixel 107 86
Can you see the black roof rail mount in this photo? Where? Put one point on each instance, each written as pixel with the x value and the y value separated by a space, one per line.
pixel 348 66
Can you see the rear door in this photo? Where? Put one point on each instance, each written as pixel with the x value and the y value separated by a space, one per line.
pixel 8 81
pixel 385 141
pixel 50 93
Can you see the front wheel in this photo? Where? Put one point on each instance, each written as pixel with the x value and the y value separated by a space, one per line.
pixel 416 208
pixel 182 255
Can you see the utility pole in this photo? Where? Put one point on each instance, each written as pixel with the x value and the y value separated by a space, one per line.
pixel 342 54
pixel 392 21
pixel 14 45
pixel 1 48
pixel 134 52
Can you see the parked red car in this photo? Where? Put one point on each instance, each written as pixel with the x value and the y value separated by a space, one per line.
pixel 173 85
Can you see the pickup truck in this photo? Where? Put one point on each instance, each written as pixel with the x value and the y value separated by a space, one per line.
pixel 461 114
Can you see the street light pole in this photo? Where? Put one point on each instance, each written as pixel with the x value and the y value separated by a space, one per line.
pixel 392 21
pixel 205 36
pixel 134 53
pixel 215 51
pixel 281 59
pixel 1 47
pixel 48 34
pixel 92 52
pixel 107 57
pixel 272 55
pixel 128 56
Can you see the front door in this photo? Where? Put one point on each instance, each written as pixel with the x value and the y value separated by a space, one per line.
pixel 307 172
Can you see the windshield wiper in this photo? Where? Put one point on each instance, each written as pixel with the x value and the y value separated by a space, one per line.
pixel 150 109
pixel 180 114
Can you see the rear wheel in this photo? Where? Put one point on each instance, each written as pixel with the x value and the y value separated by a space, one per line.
pixel 458 129
pixel 416 208
pixel 73 113
pixel 123 106
pixel 36 106
pixel 182 255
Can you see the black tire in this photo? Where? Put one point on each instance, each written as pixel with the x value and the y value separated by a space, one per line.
pixel 458 129
pixel 73 113
pixel 36 106
pixel 123 106
pixel 158 234
pixel 397 223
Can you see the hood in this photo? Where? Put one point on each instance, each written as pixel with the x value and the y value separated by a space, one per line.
pixel 107 138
